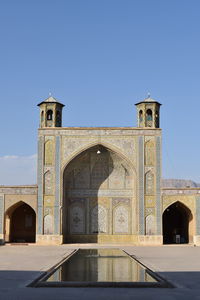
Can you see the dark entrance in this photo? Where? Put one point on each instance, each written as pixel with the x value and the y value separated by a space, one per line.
pixel 22 227
pixel 175 224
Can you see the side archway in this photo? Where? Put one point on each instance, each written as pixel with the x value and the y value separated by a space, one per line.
pixel 177 225
pixel 20 224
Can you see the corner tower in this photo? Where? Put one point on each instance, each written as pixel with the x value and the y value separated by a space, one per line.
pixel 148 113
pixel 50 113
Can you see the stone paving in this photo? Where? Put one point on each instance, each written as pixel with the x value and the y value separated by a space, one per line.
pixel 20 265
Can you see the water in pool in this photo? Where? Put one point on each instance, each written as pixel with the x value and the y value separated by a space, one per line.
pixel 100 265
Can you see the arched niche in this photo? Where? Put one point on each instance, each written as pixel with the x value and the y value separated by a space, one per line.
pixel 149 153
pixel 20 223
pixel 48 224
pixel 150 225
pixel 177 224
pixel 92 181
pixel 48 183
pixel 149 183
pixel 48 152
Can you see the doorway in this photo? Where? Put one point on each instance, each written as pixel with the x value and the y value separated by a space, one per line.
pixel 22 224
pixel 176 219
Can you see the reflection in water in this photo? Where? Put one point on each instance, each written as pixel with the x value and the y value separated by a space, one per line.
pixel 101 265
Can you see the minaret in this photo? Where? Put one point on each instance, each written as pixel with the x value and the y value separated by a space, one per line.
pixel 50 113
pixel 148 113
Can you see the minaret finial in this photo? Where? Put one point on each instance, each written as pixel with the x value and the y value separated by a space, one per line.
pixel 148 95
pixel 50 94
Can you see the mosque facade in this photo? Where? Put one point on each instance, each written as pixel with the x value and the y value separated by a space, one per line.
pixel 99 185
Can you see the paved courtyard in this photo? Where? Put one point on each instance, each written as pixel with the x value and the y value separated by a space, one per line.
pixel 20 265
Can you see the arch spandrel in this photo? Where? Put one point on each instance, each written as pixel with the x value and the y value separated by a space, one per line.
pixel 87 146
pixel 182 204
pixel 186 200
pixel 16 203
pixel 125 145
pixel 74 146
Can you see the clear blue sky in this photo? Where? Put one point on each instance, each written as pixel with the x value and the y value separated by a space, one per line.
pixel 99 57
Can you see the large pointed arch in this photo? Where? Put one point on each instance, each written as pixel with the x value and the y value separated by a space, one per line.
pixel 177 224
pixel 92 178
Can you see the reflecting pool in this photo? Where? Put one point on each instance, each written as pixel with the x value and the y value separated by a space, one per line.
pixel 100 265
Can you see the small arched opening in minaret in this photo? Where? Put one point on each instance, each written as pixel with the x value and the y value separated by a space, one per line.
pixel 177 224
pixel 58 118
pixel 157 119
pixel 42 116
pixel 149 115
pixel 140 116
pixel 49 115
pixel 149 118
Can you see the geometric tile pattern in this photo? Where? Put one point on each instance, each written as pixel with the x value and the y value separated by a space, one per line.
pixel 40 184
pixel 57 191
pixel 141 183
pixel 158 185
